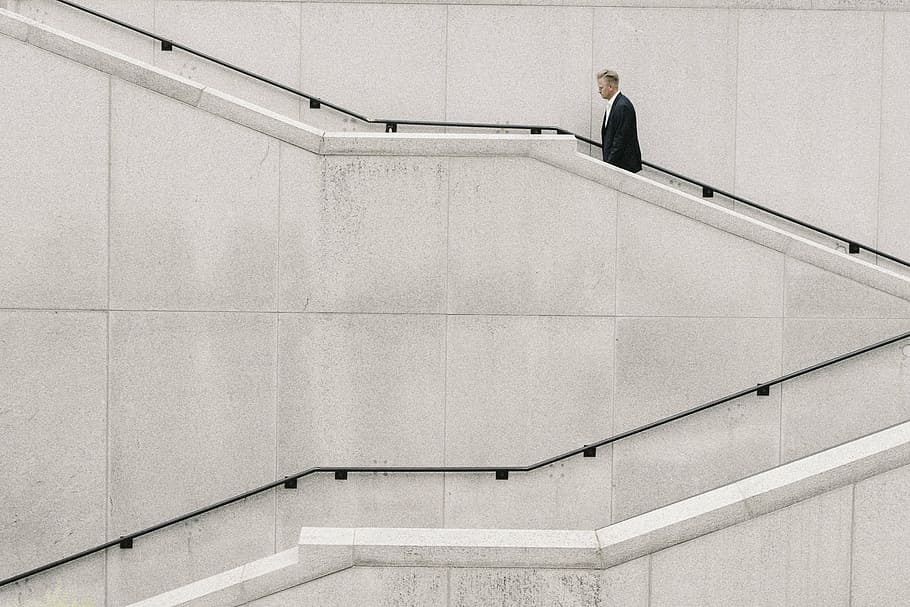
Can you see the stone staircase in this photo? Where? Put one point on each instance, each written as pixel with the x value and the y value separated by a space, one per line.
pixel 373 299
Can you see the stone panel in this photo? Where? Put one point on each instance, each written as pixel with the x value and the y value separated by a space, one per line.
pixel 796 556
pixel 662 56
pixel 625 585
pixel 527 238
pixel 572 494
pixel 77 584
pixel 893 219
pixel 54 188
pixel 374 586
pixel 849 399
pixel 395 67
pixel 521 389
pixel 669 265
pixel 805 146
pixel 815 293
pixel 361 390
pixel 363 500
pixel 667 365
pixel 692 455
pixel 194 208
pixel 196 549
pixel 362 234
pixel 535 65
pixel 881 541
pixel 872 5
pixel 139 13
pixel 53 420
pixel 193 408
pixel 260 37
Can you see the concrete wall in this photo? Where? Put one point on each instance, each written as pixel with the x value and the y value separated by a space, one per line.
pixel 797 105
pixel 847 546
pixel 193 308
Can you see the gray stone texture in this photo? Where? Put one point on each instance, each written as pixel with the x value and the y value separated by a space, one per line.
pixel 193 411
pixel 363 234
pixel 625 585
pixel 194 208
pixel 659 359
pixel 374 586
pixel 53 432
pixel 520 389
pixel 53 190
pixel 364 500
pixel 517 46
pixel 796 556
pixel 552 549
pixel 659 54
pixel 196 549
pixel 270 32
pixel 893 219
pixel 698 453
pixel 139 13
pixel 196 202
pixel 361 390
pixel 669 265
pixel 770 539
pixel 399 57
pixel 524 238
pixel 815 293
pixel 881 541
pixel 847 400
pixel 572 494
pixel 819 5
pixel 424 68
pixel 77 584
pixel 824 166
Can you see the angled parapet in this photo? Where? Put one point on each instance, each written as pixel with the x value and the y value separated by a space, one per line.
pixel 158 80
pixel 557 150
pixel 475 548
pixel 325 551
pixel 755 496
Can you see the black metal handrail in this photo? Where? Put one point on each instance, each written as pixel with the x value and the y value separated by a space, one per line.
pixel 853 246
pixel 501 472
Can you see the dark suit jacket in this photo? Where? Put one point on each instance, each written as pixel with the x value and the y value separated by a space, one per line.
pixel 620 136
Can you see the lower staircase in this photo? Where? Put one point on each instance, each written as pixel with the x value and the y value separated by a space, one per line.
pixel 816 531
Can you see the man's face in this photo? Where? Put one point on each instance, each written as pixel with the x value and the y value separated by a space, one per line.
pixel 606 89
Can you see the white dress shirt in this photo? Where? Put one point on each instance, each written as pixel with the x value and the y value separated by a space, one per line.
pixel 609 108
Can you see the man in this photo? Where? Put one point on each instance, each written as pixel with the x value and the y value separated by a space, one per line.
pixel 618 132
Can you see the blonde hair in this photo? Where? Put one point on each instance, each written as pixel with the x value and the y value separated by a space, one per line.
pixel 609 75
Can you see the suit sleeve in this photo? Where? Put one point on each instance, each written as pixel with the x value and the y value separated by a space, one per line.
pixel 623 134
